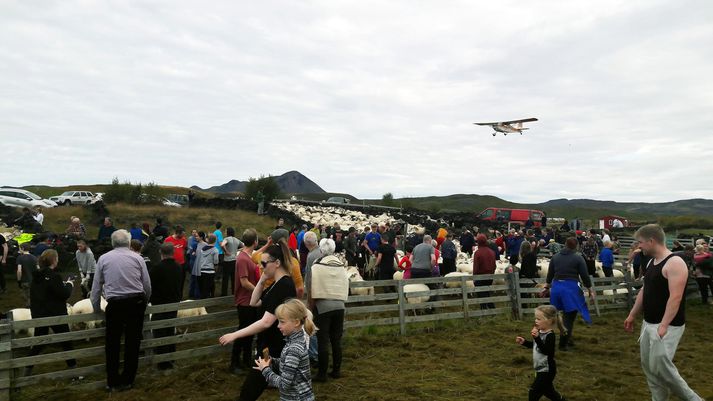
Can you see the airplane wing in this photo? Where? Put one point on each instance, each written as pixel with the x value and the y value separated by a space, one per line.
pixel 525 120
pixel 486 123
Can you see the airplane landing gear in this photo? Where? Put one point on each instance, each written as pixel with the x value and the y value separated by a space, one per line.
pixel 493 133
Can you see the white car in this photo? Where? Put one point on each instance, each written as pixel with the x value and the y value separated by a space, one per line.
pixel 73 198
pixel 20 198
pixel 167 202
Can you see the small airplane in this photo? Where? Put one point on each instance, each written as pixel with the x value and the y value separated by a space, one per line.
pixel 506 127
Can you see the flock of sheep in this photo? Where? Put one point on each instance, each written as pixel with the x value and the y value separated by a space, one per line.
pixel 84 307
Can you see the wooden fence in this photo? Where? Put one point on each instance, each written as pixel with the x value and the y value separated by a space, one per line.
pixel 390 304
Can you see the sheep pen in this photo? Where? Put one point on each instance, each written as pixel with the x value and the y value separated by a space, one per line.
pixel 475 359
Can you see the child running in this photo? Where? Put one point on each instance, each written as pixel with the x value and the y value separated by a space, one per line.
pixel 294 380
pixel 543 352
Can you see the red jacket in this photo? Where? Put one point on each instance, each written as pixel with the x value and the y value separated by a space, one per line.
pixel 484 261
pixel 292 242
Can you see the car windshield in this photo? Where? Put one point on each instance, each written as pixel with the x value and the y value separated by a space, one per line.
pixel 33 196
pixel 68 193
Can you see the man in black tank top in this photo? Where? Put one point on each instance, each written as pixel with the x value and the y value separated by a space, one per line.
pixel 663 301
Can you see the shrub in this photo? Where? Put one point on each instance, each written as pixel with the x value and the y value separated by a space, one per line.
pixel 267 185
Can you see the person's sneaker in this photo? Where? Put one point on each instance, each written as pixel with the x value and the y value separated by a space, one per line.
pixel 335 375
pixel 235 370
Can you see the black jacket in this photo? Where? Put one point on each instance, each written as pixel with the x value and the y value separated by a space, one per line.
pixel 166 280
pixel 48 294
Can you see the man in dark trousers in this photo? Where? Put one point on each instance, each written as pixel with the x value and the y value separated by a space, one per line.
pixel 123 278
pixel 166 280
pixel 663 301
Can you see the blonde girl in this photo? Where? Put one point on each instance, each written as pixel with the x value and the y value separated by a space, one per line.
pixel 543 352
pixel 294 381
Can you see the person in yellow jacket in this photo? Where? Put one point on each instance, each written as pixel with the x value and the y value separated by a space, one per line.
pixel 275 238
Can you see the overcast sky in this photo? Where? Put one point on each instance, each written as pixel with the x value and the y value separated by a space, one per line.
pixel 363 97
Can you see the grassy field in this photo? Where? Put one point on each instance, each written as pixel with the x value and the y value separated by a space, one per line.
pixel 57 219
pixel 451 360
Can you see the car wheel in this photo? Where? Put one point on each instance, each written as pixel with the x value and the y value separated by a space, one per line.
pixel 67 202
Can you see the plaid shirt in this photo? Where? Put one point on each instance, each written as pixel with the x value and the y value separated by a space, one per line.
pixel 294 380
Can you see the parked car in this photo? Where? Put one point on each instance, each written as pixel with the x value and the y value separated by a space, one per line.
pixel 507 215
pixel 177 198
pixel 20 198
pixel 337 199
pixel 74 198
pixel 154 199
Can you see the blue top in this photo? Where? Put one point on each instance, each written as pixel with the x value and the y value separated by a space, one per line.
pixel 607 257
pixel 300 236
pixel 513 244
pixel 137 234
pixel 373 240
pixel 219 235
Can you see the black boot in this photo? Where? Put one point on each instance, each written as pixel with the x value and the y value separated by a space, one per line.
pixel 564 340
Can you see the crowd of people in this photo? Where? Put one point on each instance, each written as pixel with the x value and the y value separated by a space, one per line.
pixel 290 293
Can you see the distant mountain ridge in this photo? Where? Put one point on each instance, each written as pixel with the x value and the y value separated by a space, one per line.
pixel 292 182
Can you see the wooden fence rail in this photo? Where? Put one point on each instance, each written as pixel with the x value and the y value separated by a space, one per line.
pixel 391 303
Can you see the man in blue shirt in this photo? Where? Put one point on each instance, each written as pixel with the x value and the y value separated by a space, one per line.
pixel 373 239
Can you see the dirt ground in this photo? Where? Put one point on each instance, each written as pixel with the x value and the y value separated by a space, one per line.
pixel 451 360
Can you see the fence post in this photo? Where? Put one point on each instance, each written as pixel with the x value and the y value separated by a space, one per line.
pixel 464 289
pixel 148 334
pixel 514 281
pixel 6 355
pixel 402 306
pixel 596 298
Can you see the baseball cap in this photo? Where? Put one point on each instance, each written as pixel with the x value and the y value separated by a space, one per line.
pixel 279 234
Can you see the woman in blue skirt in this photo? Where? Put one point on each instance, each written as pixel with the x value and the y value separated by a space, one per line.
pixel 563 278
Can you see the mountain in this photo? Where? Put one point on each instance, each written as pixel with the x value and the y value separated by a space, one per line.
pixel 568 208
pixel 291 182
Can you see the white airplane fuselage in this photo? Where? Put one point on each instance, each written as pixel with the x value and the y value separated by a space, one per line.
pixel 507 128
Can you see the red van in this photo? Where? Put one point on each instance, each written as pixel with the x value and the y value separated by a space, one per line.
pixel 506 215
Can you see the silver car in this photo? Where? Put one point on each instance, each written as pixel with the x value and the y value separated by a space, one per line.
pixel 20 198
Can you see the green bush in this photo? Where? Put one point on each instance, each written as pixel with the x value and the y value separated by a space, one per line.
pixel 670 223
pixel 134 194
pixel 267 185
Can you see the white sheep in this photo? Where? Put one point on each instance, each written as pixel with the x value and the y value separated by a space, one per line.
pixel 410 288
pixel 354 276
pixel 192 312
pixel 201 311
pixel 456 284
pixel 19 314
pixel 84 307
pixel 465 268
pixel 615 291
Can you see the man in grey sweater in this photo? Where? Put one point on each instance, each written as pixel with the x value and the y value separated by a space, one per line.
pixel 87 265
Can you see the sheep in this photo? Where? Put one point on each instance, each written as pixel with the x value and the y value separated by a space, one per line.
pixel 353 275
pixel 84 307
pixel 615 291
pixel 409 288
pixel 456 284
pixel 201 311
pixel 192 312
pixel 19 314
pixel 465 268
